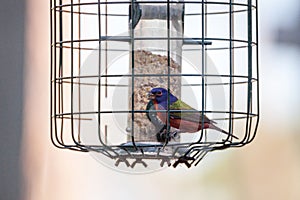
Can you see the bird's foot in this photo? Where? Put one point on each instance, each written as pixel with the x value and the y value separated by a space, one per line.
pixel 166 136
pixel 173 135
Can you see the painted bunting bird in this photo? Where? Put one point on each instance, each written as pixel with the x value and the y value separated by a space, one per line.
pixel 180 117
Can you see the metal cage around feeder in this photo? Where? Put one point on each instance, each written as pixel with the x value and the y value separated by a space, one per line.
pixel 107 55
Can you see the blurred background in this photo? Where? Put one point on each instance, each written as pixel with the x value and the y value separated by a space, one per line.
pixel 31 168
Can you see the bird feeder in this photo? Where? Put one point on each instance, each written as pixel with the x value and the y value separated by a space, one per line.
pixel 106 56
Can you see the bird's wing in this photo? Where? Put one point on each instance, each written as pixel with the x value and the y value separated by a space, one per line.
pixel 194 116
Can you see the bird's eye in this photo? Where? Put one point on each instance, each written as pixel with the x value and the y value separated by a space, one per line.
pixel 159 93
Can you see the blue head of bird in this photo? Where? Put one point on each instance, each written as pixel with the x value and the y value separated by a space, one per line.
pixel 161 96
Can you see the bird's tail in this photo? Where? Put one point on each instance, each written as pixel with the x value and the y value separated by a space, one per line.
pixel 212 126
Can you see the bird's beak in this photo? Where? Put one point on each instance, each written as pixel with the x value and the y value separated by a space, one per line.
pixel 151 96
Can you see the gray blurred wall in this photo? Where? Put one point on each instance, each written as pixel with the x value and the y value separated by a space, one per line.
pixel 12 14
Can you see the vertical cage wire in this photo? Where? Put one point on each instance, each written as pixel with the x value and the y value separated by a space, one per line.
pixel 107 55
